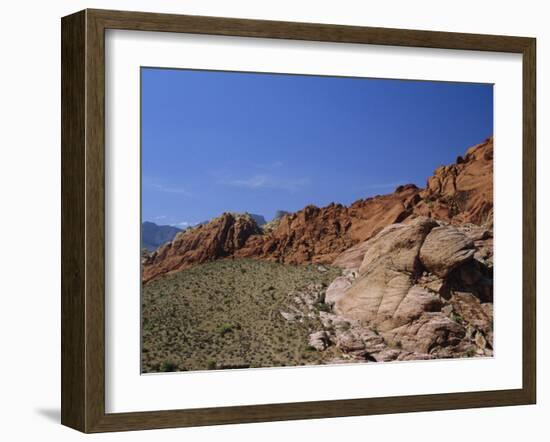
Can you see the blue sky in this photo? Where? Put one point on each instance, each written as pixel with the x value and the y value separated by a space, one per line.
pixel 245 142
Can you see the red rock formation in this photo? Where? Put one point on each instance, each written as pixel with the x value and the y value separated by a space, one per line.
pixel 459 193
pixel 220 238
pixel 320 234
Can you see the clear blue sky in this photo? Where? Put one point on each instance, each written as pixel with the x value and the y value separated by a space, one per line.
pixel 245 142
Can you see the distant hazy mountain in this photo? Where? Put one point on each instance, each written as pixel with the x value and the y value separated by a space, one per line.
pixel 153 235
pixel 280 214
pixel 260 220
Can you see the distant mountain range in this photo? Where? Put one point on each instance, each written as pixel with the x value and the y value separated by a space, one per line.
pixel 260 220
pixel 280 213
pixel 153 235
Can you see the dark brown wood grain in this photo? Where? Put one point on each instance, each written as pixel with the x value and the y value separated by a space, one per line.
pixel 529 221
pixel 73 210
pixel 83 220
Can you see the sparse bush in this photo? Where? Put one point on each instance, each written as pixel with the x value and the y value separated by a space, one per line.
pixel 195 322
pixel 455 317
pixel 322 307
pixel 226 328
pixel 168 366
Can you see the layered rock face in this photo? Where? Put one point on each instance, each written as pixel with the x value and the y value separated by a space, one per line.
pixel 219 238
pixel 420 289
pixel 319 235
pixel 424 285
pixel 461 193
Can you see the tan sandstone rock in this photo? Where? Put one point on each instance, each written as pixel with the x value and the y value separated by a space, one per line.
pixel 430 331
pixel 337 289
pixel 407 290
pixel 444 249
pixel 386 275
pixel 319 340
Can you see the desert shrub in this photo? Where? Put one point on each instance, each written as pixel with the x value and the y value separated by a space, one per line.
pixel 226 328
pixel 455 317
pixel 168 366
pixel 322 307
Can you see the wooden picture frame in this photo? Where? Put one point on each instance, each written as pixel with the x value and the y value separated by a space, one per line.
pixel 83 220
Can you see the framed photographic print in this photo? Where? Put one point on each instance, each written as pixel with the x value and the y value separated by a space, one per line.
pixel 270 220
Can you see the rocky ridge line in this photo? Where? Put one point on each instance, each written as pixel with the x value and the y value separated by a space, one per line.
pixel 460 193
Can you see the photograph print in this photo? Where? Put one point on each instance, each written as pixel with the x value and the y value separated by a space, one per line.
pixel 301 220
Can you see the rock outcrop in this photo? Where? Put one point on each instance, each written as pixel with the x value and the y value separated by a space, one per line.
pixel 406 299
pixel 355 341
pixel 311 235
pixel 384 294
pixel 420 286
pixel 316 234
pixel 444 249
pixel 460 194
pixel 219 238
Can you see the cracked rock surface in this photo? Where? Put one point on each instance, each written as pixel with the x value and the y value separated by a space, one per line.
pixel 422 289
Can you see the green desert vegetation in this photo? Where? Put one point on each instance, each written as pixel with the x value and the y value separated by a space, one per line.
pixel 227 314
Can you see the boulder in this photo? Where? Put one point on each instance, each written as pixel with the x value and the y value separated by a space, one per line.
pixel 417 301
pixel 330 320
pixel 351 259
pixel 319 340
pixel 428 333
pixel 349 341
pixel 290 316
pixel 337 289
pixel 386 274
pixel 397 246
pixel 444 249
pixel 387 355
pixel 404 282
pixel 469 307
